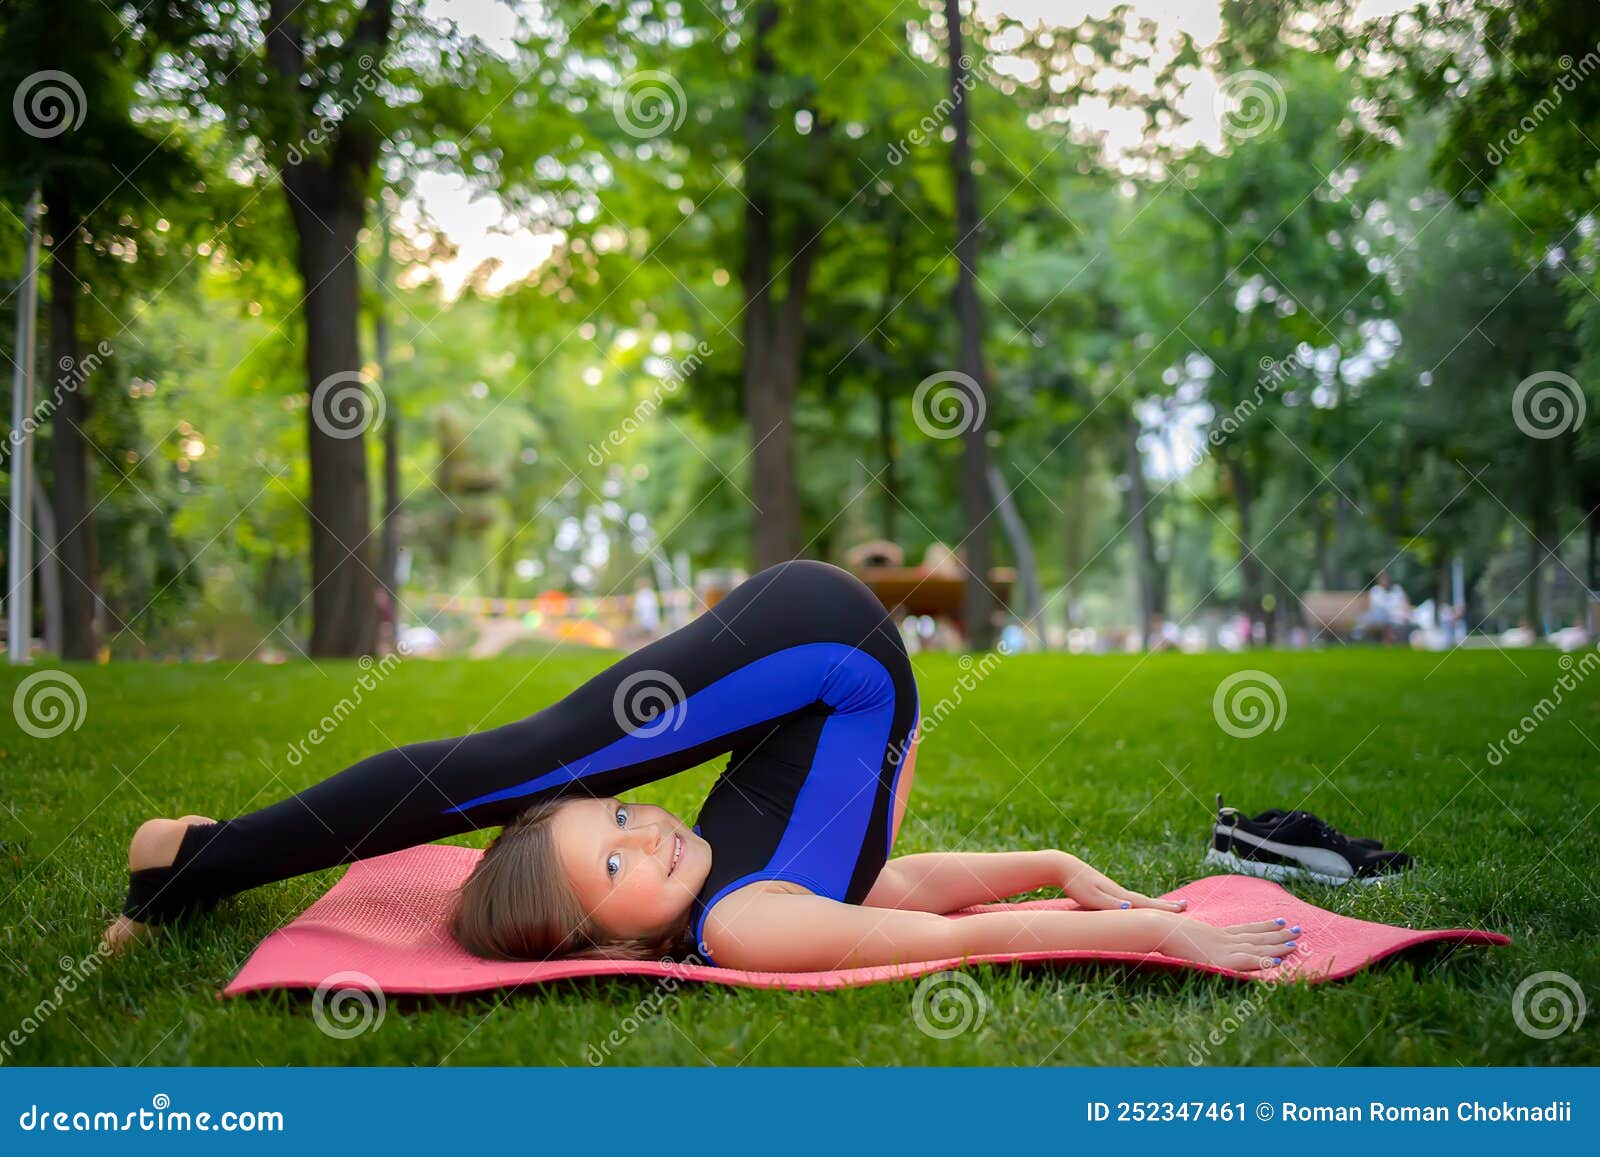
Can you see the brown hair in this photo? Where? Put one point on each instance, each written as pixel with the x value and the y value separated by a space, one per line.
pixel 517 905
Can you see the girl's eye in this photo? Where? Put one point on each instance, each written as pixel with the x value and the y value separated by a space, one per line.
pixel 613 864
pixel 622 817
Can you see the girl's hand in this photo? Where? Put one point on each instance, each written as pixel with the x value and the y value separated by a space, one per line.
pixel 1241 947
pixel 1093 889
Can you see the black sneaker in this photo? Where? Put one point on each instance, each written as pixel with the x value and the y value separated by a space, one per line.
pixel 1274 815
pixel 1296 846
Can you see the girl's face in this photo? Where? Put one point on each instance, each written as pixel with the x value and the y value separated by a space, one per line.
pixel 635 868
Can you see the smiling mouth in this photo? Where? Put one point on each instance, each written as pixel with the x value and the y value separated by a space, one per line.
pixel 677 854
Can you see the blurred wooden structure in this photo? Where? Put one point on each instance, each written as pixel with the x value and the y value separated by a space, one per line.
pixel 1334 613
pixel 914 590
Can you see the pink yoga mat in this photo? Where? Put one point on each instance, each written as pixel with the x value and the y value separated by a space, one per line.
pixel 385 924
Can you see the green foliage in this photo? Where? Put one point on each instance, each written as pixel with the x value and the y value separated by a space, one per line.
pixel 1322 318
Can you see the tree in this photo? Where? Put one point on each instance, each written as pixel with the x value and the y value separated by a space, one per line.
pixel 978 601
pixel 1513 85
pixel 327 193
pixel 737 148
pixel 1262 255
pixel 75 140
pixel 309 93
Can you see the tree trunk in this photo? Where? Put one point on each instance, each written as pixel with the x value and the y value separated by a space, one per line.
pixel 389 561
pixel 1145 564
pixel 773 335
pixel 1027 603
pixel 1322 529
pixel 1341 535
pixel 327 196
pixel 1074 534
pixel 343 611
pixel 75 549
pixel 1591 556
pixel 887 451
pixel 1533 586
pixel 883 384
pixel 1249 564
pixel 978 604
pixel 49 569
pixel 1592 572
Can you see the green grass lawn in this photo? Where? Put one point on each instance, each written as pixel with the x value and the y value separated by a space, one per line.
pixel 1114 758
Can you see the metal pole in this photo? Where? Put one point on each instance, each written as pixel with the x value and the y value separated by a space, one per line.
pixel 19 590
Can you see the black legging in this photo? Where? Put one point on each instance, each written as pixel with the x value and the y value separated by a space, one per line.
pixel 798 672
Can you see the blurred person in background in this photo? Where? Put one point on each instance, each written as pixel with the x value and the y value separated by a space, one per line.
pixel 1388 609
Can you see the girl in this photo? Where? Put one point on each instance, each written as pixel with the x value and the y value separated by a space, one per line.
pixel 798 674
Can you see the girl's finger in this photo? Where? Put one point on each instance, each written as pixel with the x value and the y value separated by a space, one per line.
pixel 1139 900
pixel 1281 936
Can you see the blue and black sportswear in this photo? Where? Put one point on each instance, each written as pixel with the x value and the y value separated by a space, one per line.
pixel 798 675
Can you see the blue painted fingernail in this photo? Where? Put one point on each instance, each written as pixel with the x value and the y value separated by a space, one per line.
pixel 1295 929
pixel 1277 960
pixel 1291 944
pixel 1127 904
pixel 1280 921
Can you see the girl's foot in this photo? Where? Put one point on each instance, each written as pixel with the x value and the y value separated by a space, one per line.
pixel 154 845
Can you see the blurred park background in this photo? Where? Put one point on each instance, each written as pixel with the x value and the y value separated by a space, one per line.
pixel 463 326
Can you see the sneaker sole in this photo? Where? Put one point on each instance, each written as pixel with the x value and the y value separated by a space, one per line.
pixel 1236 863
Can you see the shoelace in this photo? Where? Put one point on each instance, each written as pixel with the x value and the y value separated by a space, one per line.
pixel 1326 830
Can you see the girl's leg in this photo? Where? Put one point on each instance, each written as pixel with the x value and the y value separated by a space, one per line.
pixel 902 789
pixel 683 699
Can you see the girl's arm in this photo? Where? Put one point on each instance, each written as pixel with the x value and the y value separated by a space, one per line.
pixel 794 932
pixel 948 881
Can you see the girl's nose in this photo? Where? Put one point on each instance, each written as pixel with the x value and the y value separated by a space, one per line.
pixel 649 836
